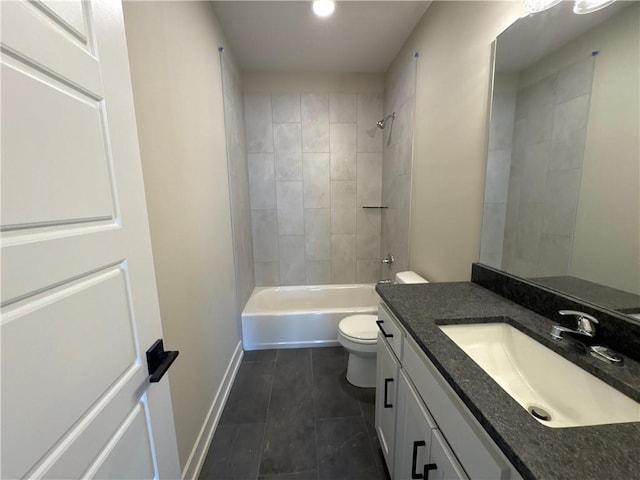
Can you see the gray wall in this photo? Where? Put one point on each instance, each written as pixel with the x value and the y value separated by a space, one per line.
pixel 314 160
pixel 180 115
pixel 399 97
pixel 238 179
pixel 450 146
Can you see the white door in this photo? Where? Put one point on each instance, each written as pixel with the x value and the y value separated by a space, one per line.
pixel 79 301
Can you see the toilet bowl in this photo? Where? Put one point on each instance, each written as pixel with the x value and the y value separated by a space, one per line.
pixel 358 334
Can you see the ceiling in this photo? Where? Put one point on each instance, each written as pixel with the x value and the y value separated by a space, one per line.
pixel 360 36
pixel 534 36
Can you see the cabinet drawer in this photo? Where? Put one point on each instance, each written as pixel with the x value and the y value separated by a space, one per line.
pixel 475 450
pixel 390 328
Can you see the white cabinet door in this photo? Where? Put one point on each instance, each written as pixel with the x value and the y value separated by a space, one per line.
pixel 421 450
pixel 386 392
pixel 413 433
pixel 79 302
pixel 443 465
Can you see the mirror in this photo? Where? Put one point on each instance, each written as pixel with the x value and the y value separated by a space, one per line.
pixel 562 193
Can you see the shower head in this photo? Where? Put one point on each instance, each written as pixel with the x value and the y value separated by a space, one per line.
pixel 381 123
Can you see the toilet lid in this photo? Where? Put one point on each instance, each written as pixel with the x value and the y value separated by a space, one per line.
pixel 360 327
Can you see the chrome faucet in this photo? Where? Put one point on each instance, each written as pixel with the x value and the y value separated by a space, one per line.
pixel 586 328
pixel 388 260
pixel 585 325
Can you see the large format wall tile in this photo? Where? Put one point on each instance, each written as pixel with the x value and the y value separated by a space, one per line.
pixel 267 274
pixel 318 272
pixel 368 270
pixel 258 121
pixel 369 181
pixel 317 183
pixel 397 158
pixel 369 136
pixel 342 146
pixel 240 180
pixel 290 208
pixel 368 228
pixel 548 144
pixel 307 182
pixel 343 258
pixel 286 107
pixel 315 122
pixel 262 182
pixel 287 141
pixel 317 234
pixel 292 263
pixel 342 107
pixel 343 206
pixel 264 225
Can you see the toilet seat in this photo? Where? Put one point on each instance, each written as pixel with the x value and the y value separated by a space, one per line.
pixel 359 328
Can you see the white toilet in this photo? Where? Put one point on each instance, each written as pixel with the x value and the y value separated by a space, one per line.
pixel 358 334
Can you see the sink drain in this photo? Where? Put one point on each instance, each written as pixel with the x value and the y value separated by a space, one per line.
pixel 539 413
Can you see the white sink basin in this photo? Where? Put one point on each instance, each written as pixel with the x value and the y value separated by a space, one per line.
pixel 536 377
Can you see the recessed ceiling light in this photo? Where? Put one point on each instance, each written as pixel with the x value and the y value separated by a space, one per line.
pixel 323 8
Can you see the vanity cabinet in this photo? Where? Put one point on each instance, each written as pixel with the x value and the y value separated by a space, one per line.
pixel 427 429
pixel 387 368
pixel 421 450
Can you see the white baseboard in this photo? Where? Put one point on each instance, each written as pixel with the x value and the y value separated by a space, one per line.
pixel 199 453
pixel 302 344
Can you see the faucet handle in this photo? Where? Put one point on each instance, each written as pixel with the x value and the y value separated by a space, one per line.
pixel 585 321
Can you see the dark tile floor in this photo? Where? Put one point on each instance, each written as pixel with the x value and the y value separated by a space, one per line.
pixel 292 415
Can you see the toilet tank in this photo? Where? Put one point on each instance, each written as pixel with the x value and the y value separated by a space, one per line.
pixel 409 277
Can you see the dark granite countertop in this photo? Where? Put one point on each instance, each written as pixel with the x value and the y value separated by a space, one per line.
pixel 538 452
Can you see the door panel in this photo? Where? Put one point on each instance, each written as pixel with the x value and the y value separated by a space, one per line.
pixel 68 13
pixel 129 446
pixel 53 152
pixel 45 336
pixel 79 303
pixel 32 38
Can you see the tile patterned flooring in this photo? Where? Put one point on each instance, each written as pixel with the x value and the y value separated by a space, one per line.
pixel 291 414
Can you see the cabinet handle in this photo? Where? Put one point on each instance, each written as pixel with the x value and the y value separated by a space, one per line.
pixel 414 460
pixel 427 468
pixel 386 383
pixel 384 334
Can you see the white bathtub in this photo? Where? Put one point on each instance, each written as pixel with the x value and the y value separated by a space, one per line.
pixel 302 316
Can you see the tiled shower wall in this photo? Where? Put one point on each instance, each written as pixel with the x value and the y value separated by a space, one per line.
pixel 399 97
pixel 314 160
pixel 549 137
pixel 238 181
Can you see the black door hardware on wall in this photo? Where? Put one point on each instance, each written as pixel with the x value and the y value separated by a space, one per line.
pixel 386 383
pixel 159 360
pixel 385 334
